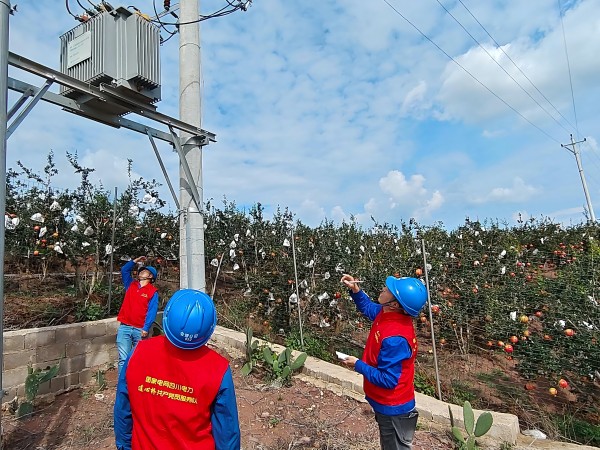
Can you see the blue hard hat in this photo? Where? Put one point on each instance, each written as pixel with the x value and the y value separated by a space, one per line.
pixel 189 319
pixel 410 293
pixel 150 269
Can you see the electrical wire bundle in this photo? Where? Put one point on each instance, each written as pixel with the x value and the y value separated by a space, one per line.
pixel 89 11
pixel 231 7
pixel 169 9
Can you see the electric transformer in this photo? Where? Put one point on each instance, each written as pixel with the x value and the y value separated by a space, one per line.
pixel 118 48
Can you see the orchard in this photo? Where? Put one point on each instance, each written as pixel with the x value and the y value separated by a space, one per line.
pixel 514 318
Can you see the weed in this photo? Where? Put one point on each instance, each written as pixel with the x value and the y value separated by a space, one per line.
pixel 273 421
pixel 89 311
pixel 100 380
pixel 424 384
pixel 313 344
pixel 579 430
pixel 461 392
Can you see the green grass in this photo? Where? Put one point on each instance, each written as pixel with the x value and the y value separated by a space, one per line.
pixel 579 430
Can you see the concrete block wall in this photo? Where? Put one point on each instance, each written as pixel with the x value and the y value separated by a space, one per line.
pixel 81 349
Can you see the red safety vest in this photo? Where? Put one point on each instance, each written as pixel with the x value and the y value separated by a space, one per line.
pixel 385 325
pixel 171 391
pixel 135 304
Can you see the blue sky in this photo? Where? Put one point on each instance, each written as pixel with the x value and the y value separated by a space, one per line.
pixel 340 108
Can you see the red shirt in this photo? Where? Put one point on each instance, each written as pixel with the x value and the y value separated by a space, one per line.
pixel 171 392
pixel 135 304
pixel 386 325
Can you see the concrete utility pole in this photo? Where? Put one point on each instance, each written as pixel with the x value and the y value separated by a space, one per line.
pixel 575 151
pixel 4 13
pixel 191 225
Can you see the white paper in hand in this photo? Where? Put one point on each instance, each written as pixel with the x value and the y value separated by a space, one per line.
pixel 341 355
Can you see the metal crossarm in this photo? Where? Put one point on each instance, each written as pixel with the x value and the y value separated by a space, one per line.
pixel 107 94
pixel 74 107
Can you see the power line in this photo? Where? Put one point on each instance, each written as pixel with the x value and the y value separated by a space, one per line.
pixel 171 33
pixel 515 64
pixel 469 73
pixel 568 65
pixel 241 5
pixel 69 9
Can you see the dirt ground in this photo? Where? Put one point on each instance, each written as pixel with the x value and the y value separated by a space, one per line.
pixel 301 416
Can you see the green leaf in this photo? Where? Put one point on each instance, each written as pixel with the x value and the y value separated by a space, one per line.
pixel 25 408
pixel 282 356
pixel 286 372
pixel 458 434
pixel 268 356
pixel 32 384
pixel 469 417
pixel 246 369
pixel 484 423
pixel 50 373
pixel 299 361
pixel 471 443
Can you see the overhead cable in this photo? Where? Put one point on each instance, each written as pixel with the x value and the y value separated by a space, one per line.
pixel 568 67
pixel 515 64
pixel 500 65
pixel 469 73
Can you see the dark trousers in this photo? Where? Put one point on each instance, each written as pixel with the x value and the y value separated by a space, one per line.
pixel 397 432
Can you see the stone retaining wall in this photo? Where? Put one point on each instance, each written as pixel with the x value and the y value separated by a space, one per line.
pixel 81 349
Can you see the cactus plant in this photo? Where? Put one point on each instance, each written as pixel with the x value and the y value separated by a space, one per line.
pixel 32 385
pixel 474 429
pixel 251 353
pixel 280 367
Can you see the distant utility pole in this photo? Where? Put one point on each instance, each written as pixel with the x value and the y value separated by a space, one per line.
pixel 191 224
pixel 575 151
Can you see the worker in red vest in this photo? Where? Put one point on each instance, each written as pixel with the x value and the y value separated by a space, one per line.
pixel 388 361
pixel 175 393
pixel 139 307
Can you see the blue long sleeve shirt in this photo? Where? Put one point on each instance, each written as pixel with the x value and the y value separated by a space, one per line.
pixel 152 304
pixel 224 418
pixel 394 350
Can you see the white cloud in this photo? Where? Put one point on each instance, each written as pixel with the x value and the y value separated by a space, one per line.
pixel 338 215
pixel 311 212
pixel 518 192
pixel 414 101
pixel 403 190
pixel 431 205
pixel 313 105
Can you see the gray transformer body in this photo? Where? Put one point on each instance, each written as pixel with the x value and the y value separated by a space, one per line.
pixel 117 48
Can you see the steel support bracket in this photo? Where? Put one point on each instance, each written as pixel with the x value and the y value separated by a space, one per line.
pixel 28 93
pixel 186 169
pixel 36 98
pixel 164 170
pixel 197 141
